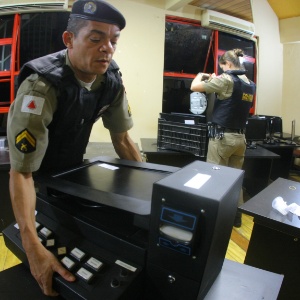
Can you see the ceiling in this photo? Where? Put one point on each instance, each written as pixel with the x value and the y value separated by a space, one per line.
pixel 242 8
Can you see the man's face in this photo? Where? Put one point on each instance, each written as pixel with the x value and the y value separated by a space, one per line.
pixel 91 51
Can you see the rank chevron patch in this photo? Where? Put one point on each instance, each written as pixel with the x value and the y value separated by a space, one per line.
pixel 25 142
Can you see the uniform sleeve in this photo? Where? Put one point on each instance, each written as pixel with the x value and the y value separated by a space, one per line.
pixel 28 118
pixel 222 85
pixel 117 118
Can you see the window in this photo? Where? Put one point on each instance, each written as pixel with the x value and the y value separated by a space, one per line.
pixel 190 49
pixel 23 38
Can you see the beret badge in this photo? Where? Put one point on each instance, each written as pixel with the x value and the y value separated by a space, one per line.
pixel 90 8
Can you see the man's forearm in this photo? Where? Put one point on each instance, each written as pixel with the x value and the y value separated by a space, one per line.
pixel 23 198
pixel 125 147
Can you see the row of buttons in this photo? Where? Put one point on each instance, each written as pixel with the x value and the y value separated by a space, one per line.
pixel 83 273
pixel 77 261
pixel 46 237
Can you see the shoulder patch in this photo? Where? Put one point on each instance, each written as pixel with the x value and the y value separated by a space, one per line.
pixel 129 111
pixel 33 104
pixel 25 142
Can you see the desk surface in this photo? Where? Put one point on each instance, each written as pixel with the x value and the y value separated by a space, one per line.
pixel 149 145
pixel 239 281
pixel 260 206
pixel 235 281
pixel 279 145
pixel 260 152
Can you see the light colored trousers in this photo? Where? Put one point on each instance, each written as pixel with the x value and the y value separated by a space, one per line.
pixel 229 151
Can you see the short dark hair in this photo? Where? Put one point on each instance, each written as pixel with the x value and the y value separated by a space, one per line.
pixel 75 24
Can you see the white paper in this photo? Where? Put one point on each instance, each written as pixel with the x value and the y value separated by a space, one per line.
pixel 280 205
pixel 110 167
pixel 197 181
pixel 294 208
pixel 190 122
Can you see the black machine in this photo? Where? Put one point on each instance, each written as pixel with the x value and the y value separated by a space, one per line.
pixel 256 131
pixel 131 230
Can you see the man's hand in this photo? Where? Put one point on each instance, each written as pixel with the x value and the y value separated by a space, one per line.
pixel 43 264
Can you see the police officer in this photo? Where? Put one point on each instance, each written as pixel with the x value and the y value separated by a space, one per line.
pixel 234 97
pixel 59 99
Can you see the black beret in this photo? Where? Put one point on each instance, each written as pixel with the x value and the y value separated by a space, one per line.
pixel 98 10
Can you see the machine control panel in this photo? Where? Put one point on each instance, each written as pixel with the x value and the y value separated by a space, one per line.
pixel 99 274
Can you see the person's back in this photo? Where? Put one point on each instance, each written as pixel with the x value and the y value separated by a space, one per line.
pixel 234 97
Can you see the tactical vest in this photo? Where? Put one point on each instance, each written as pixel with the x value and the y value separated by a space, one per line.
pixel 234 111
pixel 77 109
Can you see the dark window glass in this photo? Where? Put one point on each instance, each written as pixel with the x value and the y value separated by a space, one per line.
pixel 176 96
pixel 5 93
pixel 186 48
pixel 6 26
pixel 5 54
pixel 228 41
pixel 41 34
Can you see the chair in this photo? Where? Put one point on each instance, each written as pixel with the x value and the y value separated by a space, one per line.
pixel 276 127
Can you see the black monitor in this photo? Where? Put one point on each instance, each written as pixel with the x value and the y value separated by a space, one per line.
pixel 256 130
pixel 274 126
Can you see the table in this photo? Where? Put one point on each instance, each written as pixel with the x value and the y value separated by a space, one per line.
pixel 166 157
pixel 257 164
pixel 281 167
pixel 235 281
pixel 275 239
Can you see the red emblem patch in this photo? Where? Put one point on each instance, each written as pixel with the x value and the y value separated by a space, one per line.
pixel 31 105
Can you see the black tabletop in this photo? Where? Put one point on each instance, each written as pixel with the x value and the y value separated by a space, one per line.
pixel 235 281
pixel 260 152
pixel 260 206
pixel 149 145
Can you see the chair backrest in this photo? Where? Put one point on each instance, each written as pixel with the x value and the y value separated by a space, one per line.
pixel 274 125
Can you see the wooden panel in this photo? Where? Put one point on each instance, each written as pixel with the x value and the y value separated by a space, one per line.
pixel 237 8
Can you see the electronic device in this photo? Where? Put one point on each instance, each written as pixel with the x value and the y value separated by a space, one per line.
pixel 198 103
pixel 274 127
pixel 256 130
pixel 130 230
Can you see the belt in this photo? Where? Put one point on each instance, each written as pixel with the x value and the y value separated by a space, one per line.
pixel 230 130
pixel 217 132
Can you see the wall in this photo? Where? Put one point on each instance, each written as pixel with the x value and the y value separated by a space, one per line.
pixel 289 30
pixel 140 55
pixel 140 58
pixel 291 103
pixel 290 37
pixel 270 59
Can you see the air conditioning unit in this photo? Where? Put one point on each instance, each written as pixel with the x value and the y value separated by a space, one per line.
pixel 25 6
pixel 226 23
